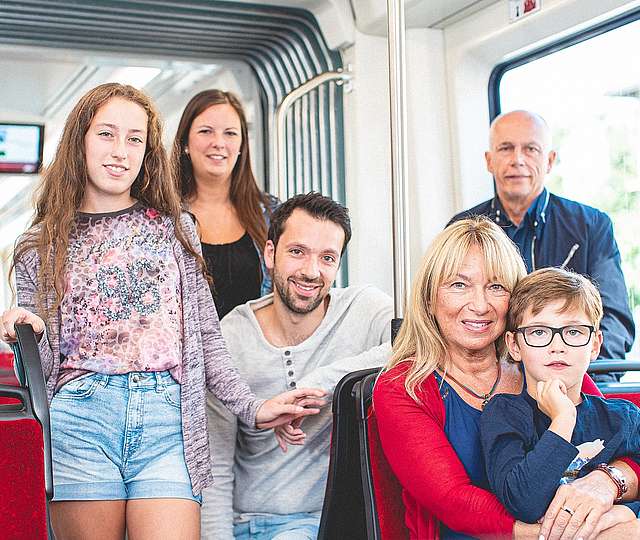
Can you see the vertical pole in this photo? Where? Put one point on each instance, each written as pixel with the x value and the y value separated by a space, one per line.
pixel 399 161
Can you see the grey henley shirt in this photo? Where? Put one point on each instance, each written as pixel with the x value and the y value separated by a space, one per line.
pixel 251 474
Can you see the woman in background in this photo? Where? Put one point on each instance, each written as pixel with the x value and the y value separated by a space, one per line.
pixel 212 164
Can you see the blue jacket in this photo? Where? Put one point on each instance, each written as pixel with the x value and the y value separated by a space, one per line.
pixel 580 238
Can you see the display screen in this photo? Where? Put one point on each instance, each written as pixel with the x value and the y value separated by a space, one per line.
pixel 21 148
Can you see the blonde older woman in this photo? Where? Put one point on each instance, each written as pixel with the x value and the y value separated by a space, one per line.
pixel 448 360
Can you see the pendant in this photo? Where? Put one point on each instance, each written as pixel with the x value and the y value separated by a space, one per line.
pixel 485 400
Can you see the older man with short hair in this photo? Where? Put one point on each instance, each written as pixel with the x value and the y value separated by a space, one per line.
pixel 551 230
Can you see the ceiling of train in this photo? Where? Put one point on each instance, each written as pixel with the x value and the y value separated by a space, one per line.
pixel 52 51
pixel 54 77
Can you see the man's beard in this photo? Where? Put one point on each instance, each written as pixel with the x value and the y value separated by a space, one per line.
pixel 289 297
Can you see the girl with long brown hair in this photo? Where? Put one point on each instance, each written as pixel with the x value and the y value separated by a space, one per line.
pixel 212 164
pixel 110 277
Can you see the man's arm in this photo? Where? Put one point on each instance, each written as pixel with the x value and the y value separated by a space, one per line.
pixel 617 323
pixel 326 377
pixel 217 500
pixel 377 308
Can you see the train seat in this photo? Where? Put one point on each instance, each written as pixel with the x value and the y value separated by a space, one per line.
pixel 7 375
pixel 624 390
pixel 26 482
pixel 363 499
pixel 343 511
pixel 384 510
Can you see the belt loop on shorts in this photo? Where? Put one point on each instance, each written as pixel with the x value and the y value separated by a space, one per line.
pixel 160 384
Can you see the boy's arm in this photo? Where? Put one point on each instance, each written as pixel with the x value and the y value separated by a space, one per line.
pixel 525 479
pixel 629 465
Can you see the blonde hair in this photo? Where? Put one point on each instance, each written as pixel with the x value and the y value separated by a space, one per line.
pixel 543 287
pixel 419 339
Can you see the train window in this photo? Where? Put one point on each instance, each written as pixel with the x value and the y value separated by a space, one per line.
pixel 589 92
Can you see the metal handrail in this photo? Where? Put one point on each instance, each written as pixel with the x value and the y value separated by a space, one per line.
pixel 280 115
pixel 399 158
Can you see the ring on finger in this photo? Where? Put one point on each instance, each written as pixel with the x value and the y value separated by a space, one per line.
pixel 570 512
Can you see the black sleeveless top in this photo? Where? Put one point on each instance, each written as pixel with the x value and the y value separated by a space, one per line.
pixel 235 269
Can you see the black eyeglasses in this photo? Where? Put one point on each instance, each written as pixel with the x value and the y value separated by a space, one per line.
pixel 575 335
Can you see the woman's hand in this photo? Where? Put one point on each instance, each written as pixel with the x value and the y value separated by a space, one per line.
pixel 288 406
pixel 610 522
pixel 628 529
pixel 18 315
pixel 578 506
pixel 526 531
pixel 291 433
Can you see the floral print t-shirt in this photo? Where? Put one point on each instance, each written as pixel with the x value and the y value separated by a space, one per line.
pixel 121 310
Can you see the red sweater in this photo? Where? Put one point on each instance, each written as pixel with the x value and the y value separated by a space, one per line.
pixel 435 485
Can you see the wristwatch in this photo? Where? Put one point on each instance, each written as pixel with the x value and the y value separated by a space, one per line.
pixel 616 477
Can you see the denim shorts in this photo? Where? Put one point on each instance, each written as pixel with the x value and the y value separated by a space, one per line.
pixel 301 526
pixel 119 437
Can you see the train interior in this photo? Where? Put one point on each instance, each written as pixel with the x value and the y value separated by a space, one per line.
pixel 314 77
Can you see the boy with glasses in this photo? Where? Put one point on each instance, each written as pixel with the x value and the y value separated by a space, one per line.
pixel 551 433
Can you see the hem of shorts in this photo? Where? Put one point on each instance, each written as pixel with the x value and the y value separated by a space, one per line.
pixel 114 491
pixel 93 491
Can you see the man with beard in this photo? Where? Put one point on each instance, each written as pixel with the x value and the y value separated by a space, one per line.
pixel 303 334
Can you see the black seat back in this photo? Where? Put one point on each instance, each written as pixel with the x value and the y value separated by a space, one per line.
pixel 343 511
pixel 617 389
pixel 363 395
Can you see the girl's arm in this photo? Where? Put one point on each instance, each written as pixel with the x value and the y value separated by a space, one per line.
pixel 26 291
pixel 427 466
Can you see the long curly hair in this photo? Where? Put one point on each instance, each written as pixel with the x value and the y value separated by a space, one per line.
pixel 420 340
pixel 245 195
pixel 62 187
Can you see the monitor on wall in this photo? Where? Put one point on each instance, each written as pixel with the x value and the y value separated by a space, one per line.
pixel 21 147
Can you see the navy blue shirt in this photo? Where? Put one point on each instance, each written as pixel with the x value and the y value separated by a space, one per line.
pixel 525 462
pixel 462 428
pixel 530 229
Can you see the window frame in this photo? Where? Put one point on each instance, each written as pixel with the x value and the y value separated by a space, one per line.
pixel 583 35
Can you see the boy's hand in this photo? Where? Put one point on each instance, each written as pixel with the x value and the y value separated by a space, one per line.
pixel 553 400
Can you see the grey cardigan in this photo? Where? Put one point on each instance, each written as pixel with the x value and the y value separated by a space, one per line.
pixel 205 361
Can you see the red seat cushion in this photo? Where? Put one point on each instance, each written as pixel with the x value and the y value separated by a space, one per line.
pixel 7 376
pixel 633 398
pixel 22 494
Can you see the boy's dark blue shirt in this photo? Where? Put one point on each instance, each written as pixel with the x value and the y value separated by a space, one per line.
pixel 525 462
